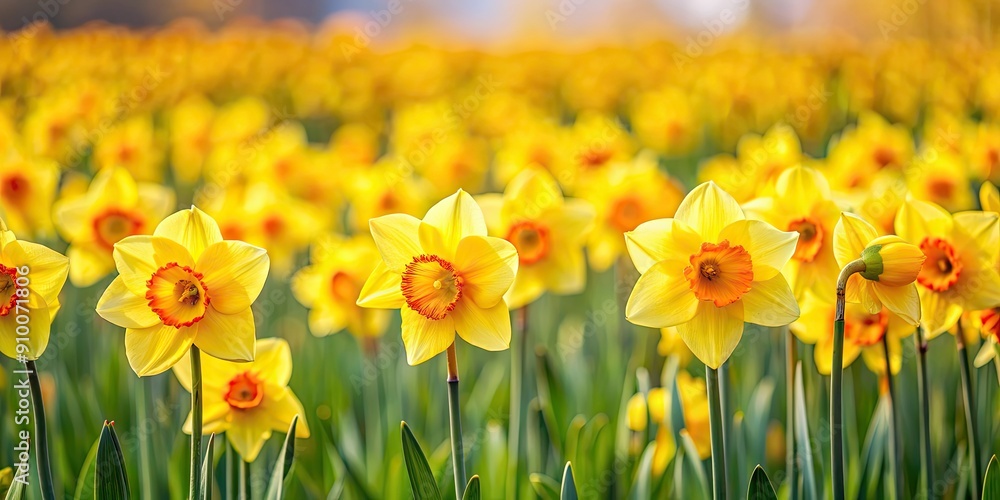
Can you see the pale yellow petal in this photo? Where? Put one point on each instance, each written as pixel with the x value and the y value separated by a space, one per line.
pixel 121 306
pixel 714 332
pixel 425 338
pixel 989 197
pixel 661 239
pixel 918 219
pixel 397 239
pixel 487 266
pixel 382 289
pixel 661 297
pixel 39 327
pixel 769 248
pixel 800 187
pixel 138 257
pixel 88 264
pixel 231 337
pixel 770 303
pixel 193 229
pixel 528 286
pixel 274 360
pixel 937 313
pixel 48 268
pixel 234 274
pixel 247 432
pixel 707 209
pixel 72 218
pixel 456 217
pixel 851 236
pixel 153 350
pixel 485 328
pixel 491 205
pixel 305 285
pixel 902 301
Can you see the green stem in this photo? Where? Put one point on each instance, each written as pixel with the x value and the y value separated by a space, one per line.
pixel 926 465
pixel 837 381
pixel 145 459
pixel 790 458
pixel 373 416
pixel 196 421
pixel 718 442
pixel 457 447
pixel 970 410
pixel 517 359
pixel 895 444
pixel 41 435
pixel 246 493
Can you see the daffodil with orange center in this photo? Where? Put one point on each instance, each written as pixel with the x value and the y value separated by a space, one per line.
pixel 133 145
pixel 247 401
pixel 709 270
pixel 624 197
pixel 331 284
pixel 888 283
pixel 445 275
pixel 27 191
pixel 31 277
pixel 114 207
pixel 758 162
pixel 960 270
pixel 802 203
pixel 863 334
pixel 547 230
pixel 182 286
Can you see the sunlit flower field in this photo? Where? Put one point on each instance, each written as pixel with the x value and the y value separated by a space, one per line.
pixel 267 261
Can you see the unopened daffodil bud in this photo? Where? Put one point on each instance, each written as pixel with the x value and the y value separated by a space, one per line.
pixel 657 405
pixel 636 409
pixel 892 261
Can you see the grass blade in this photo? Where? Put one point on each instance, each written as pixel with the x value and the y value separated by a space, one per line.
pixel 205 488
pixel 802 437
pixel 422 482
pixel 276 487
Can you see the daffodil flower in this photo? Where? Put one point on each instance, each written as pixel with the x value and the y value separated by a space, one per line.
pixel 548 232
pixel 114 207
pixel 445 275
pixel 960 270
pixel 31 277
pixel 184 285
pixel 897 262
pixel 247 401
pixel 707 271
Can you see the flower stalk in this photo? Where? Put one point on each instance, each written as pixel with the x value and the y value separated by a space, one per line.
pixel 41 434
pixel 925 414
pixel 837 380
pixel 790 458
pixel 457 447
pixel 718 440
pixel 895 450
pixel 517 358
pixel 196 421
pixel 970 410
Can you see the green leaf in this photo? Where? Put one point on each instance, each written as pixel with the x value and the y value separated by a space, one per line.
pixel 991 484
pixel 207 468
pixel 422 482
pixel 110 478
pixel 84 486
pixel 276 487
pixel 546 487
pixel 874 453
pixel 568 491
pixel 552 398
pixel 17 491
pixel 643 484
pixel 760 486
pixel 690 479
pixel 472 491
pixel 802 436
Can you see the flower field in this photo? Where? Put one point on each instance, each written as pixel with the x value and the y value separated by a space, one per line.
pixel 266 260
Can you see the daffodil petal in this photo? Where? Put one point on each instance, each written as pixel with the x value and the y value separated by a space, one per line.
pixel 769 248
pixel 247 433
pixel 382 289
pixel 851 236
pixel 48 269
pixel 485 328
pixel 138 257
pixel 661 298
pixel 487 266
pixel 425 338
pixel 88 264
pixel 126 309
pixel 918 219
pixel 280 411
pixel 39 327
pixel 937 313
pixel 661 239
pixel 714 332
pixel 235 273
pixel 491 205
pixel 456 217
pixel 153 350
pixel 273 361
pixel 397 239
pixel 707 209
pixel 192 228
pixel 902 301
pixel 770 303
pixel 231 337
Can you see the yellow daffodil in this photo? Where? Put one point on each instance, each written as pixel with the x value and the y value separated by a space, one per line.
pixel 331 284
pixel 862 335
pixel 981 146
pixel 694 404
pixel 759 161
pixel 636 413
pixel 190 137
pixel 892 267
pixel 387 187
pixel 134 145
pixel 802 203
pixel 989 329
pixel 445 275
pixel 27 191
pixel 31 277
pixel 707 271
pixel 989 198
pixel 184 285
pixel 114 207
pixel 624 197
pixel 247 401
pixel 940 177
pixel 960 270
pixel 667 121
pixel 671 344
pixel 548 232
pixel 873 145
pixel 539 145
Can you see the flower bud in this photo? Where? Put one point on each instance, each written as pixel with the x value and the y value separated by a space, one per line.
pixel 892 261
pixel 636 412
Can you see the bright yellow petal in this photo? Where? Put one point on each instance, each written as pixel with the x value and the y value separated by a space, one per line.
pixel 527 287
pixel 714 332
pixel 815 321
pixel 980 230
pixel 124 308
pixel 573 222
pixel 193 229
pixel 850 237
pixel 485 328
pixel 770 303
pixel 397 239
pixel 456 217
pixel 382 289
pixel 274 360
pixel 937 314
pixel 491 205
pixel 213 414
pixel 918 219
pixel 661 239
pixel 281 409
pixel 487 266
pixel 800 187
pixel 902 301
pixel 707 209
pixel 425 338
pixel 138 257
pixel 986 353
pixel 769 248
pixel 113 186
pixel 989 197
pixel 88 264
pixel 48 268
pixel 661 297
pixel 39 327
pixel 231 337
pixel 326 319
pixel 153 350
pixel 305 285
pixel 247 433
pixel 234 274
pixel 72 218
